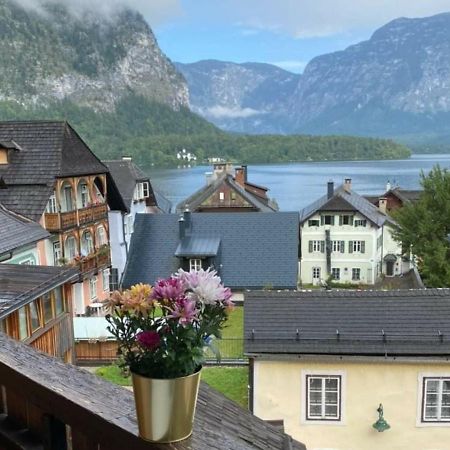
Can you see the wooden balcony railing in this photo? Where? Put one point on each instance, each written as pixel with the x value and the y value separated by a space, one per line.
pixel 70 219
pixel 46 404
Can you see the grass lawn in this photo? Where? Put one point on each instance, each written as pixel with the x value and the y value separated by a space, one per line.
pixel 234 326
pixel 231 381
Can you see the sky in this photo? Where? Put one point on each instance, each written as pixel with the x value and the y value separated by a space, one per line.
pixel 288 33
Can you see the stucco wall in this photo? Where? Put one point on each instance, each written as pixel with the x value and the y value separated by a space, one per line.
pixel 279 394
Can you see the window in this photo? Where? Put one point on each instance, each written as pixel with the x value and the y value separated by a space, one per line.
pixel 2 326
pixel 145 189
pixel 114 280
pixel 23 323
pixel 313 222
pixel 360 222
pixel 27 262
pixel 141 191
pixel 356 246
pixel 101 236
pixel 195 264
pixel 59 301
pixel 336 273
pixel 105 279
pixel 51 205
pixel 67 198
pixel 47 307
pixel 436 399
pixel 316 246
pixel 35 315
pixel 57 253
pixel 87 244
pixel 70 248
pixel 346 219
pixel 327 220
pixel 338 246
pixel 316 273
pixel 323 397
pixel 84 194
pixel 93 288
pixel 356 274
pixel 221 196
pixel 233 195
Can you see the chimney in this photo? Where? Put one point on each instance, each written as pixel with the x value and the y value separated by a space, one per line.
pixel 209 178
pixel 127 158
pixel 348 185
pixel 388 186
pixel 239 176
pixel 244 168
pixel 330 189
pixel 187 219
pixel 382 205
pixel 181 227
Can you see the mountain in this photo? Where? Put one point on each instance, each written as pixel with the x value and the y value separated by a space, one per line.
pixel 249 97
pixel 53 54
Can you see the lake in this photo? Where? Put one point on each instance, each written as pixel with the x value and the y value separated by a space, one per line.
pixel 296 185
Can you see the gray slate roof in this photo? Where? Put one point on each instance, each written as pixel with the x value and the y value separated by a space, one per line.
pixel 198 246
pixel 345 201
pixel 198 197
pixel 21 284
pixel 47 150
pixel 164 204
pixel 126 175
pixel 256 250
pixel 414 322
pixel 17 231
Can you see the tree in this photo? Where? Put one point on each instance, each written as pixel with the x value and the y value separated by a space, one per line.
pixel 424 227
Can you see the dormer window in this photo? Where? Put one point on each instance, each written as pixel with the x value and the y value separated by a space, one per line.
pixel 5 148
pixel 51 204
pixel 142 191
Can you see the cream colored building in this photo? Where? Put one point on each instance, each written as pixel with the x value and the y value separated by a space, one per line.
pixel 322 362
pixel 346 238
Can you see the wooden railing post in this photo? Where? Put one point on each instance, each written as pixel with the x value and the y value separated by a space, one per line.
pixel 55 436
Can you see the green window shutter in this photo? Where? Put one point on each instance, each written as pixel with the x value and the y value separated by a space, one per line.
pixel 351 220
pixel 363 246
pixel 322 246
pixel 322 220
pixel 350 246
pixel 342 246
pixel 332 220
pixel 340 220
pixel 310 244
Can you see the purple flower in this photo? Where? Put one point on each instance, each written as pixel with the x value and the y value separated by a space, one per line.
pixel 148 339
pixel 169 289
pixel 184 311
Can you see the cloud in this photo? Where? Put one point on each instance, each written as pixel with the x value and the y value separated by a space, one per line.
pixel 314 18
pixel 292 66
pixel 224 112
pixel 155 11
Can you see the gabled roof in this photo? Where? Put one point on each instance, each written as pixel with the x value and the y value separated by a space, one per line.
pixel 343 200
pixel 48 150
pixel 17 231
pixel 198 197
pixel 373 323
pixel 21 284
pixel 256 250
pixel 405 195
pixel 126 175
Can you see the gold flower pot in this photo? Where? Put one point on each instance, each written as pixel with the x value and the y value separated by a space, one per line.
pixel 165 408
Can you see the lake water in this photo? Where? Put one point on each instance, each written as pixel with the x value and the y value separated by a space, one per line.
pixel 296 185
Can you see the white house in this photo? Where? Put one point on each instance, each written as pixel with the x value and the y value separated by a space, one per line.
pixel 346 238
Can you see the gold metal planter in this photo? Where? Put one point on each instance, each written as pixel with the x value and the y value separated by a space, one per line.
pixel 165 408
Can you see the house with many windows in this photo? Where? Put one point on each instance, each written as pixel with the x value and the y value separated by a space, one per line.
pixel 322 362
pixel 50 176
pixel 347 239
pixel 226 191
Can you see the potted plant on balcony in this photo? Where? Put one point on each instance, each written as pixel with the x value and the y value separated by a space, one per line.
pixel 162 333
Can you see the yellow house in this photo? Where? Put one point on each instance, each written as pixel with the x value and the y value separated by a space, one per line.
pixel 323 362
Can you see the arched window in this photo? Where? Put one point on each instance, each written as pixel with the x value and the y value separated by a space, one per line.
pixel 66 197
pixel 87 245
pixel 70 248
pixel 101 236
pixel 83 197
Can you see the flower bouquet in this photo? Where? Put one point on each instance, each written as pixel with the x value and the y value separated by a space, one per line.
pixel 162 333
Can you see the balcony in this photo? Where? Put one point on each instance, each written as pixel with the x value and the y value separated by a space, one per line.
pixel 46 404
pixel 95 261
pixel 63 221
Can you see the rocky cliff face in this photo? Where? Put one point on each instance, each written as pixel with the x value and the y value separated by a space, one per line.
pixel 50 54
pixel 250 97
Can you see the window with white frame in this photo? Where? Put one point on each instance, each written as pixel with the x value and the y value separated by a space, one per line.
pixel 327 219
pixel 360 223
pixel 142 190
pixel 356 274
pixel 313 222
pixel 101 236
pixel 51 204
pixel 336 273
pixel 346 219
pixel 221 196
pixel 145 189
pixel 87 243
pixel 57 255
pixel 316 273
pixel 316 246
pixel 338 246
pixel 323 397
pixel 195 264
pixel 436 399
pixel 70 248
pixel 84 192
pixel 356 246
pixel 93 288
pixel 27 262
pixel 105 279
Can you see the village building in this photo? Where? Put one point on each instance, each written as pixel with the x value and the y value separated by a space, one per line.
pixel 50 176
pixel 226 191
pixel 346 239
pixel 323 362
pixel 249 251
pixel 138 197
pixel 396 197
